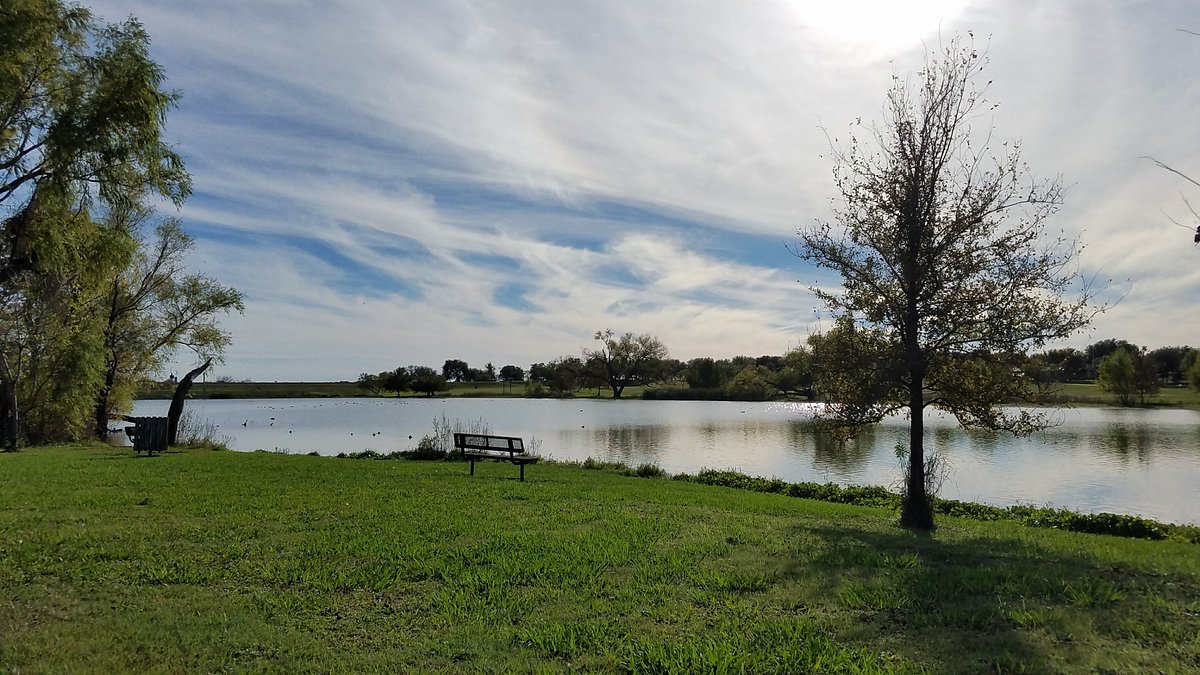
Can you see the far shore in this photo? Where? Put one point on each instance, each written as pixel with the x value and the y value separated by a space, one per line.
pixel 1070 394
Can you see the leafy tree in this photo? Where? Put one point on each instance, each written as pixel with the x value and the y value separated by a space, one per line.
pixel 566 373
pixel 1044 375
pixel 426 380
pixel 489 372
pixel 1096 352
pixel 1171 362
pixel 541 372
pixel 81 116
pixel 751 384
pixel 1117 375
pixel 1193 374
pixel 945 269
pixel 1146 381
pixel 399 380
pixel 455 370
pixel 1129 374
pixel 795 375
pixel 151 309
pixel 512 373
pixel 770 362
pixel 703 373
pixel 626 360
pixel 371 383
pixel 1069 364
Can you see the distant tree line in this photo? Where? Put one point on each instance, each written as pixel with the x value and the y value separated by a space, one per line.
pixel 1132 374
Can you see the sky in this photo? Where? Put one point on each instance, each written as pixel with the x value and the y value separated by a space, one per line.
pixel 405 182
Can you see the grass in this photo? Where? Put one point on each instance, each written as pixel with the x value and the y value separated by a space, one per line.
pixel 213 561
pixel 1090 394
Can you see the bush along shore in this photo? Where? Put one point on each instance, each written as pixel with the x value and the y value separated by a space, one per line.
pixel 1114 524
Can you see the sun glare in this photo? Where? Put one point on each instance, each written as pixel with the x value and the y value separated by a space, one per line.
pixel 877 28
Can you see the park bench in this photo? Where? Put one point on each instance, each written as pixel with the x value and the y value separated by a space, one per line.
pixel 499 448
pixel 147 433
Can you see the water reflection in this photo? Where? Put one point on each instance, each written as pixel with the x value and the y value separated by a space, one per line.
pixel 1126 442
pixel 632 444
pixel 839 456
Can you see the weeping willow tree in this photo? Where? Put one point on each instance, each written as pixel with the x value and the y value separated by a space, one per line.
pixel 82 110
pixel 947 271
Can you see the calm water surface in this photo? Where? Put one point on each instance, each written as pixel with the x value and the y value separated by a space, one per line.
pixel 1144 462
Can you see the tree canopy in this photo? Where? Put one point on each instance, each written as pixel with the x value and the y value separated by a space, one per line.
pixel 946 271
pixel 626 360
pixel 82 311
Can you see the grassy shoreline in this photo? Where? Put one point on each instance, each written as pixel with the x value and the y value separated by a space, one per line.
pixel 247 561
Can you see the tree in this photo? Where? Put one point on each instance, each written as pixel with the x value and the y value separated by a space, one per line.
pixel 455 370
pixel 1146 379
pixel 751 384
pixel 426 380
pixel 81 117
pixel 541 372
pixel 399 380
pixel 179 398
pixel 1068 363
pixel 489 372
pixel 1193 375
pixel 1171 362
pixel 1097 351
pixel 1117 375
pixel 371 383
pixel 152 308
pixel 947 275
pixel 512 374
pixel 626 360
pixel 795 375
pixel 702 373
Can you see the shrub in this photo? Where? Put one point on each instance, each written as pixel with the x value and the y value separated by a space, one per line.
pixel 428 448
pixel 647 471
pixel 199 434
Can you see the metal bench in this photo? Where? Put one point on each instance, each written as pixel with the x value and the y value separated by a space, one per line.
pixel 498 448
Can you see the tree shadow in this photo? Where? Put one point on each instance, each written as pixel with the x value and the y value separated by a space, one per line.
pixel 970 605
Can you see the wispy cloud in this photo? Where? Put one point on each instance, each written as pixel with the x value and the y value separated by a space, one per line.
pixel 396 183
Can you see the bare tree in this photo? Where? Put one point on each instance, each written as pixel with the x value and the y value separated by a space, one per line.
pixel 947 274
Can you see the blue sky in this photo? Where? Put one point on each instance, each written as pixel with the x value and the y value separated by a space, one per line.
pixel 396 183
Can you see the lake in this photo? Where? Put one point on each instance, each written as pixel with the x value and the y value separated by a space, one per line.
pixel 1143 462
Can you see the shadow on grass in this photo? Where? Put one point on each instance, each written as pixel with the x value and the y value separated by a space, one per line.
pixel 983 604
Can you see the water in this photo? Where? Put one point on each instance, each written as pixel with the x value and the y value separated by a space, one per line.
pixel 1143 462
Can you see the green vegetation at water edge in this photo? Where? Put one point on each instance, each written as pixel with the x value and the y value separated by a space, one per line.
pixel 234 390
pixel 202 561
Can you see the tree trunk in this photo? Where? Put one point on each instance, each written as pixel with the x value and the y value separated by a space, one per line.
pixel 101 415
pixel 9 418
pixel 181 392
pixel 916 512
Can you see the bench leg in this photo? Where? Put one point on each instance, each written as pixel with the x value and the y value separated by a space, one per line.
pixel 522 472
pixel 472 467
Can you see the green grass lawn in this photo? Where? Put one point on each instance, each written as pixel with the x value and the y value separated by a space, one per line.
pixel 1090 393
pixel 215 561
